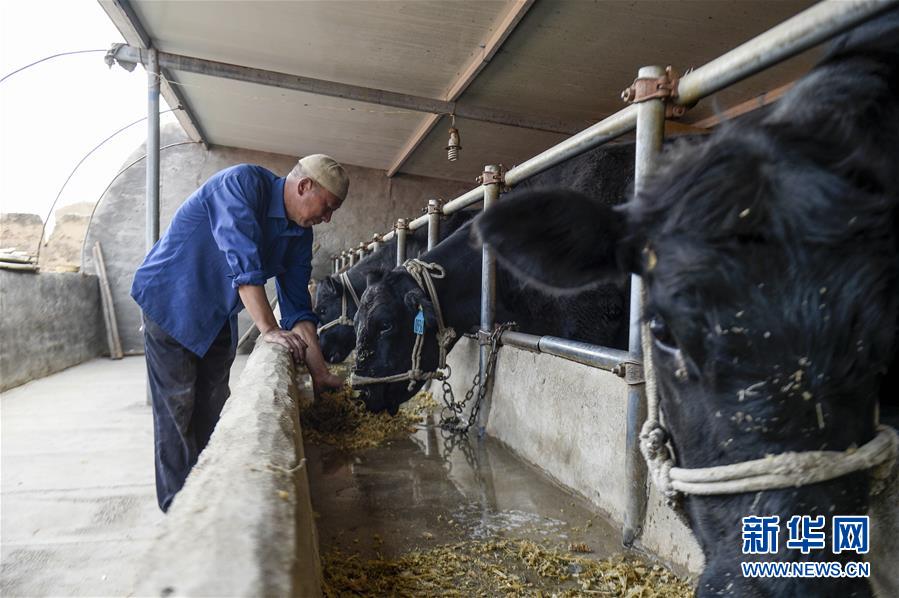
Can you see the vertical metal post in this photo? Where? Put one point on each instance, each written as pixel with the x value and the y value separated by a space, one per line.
pixel 152 149
pixel 360 252
pixel 343 260
pixel 650 131
pixel 376 242
pixel 402 228
pixel 335 266
pixel 435 210
pixel 491 182
pixel 152 225
pixel 351 255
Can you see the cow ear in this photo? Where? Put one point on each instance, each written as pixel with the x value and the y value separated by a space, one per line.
pixel 557 239
pixel 414 299
pixel 327 285
pixel 373 277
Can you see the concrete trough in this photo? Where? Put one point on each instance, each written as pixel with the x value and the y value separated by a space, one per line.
pixel 243 524
pixel 569 420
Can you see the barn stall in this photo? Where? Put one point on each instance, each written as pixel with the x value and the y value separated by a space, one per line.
pixel 559 423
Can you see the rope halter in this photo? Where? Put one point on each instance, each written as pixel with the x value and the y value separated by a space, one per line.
pixel 344 319
pixel 772 472
pixel 424 274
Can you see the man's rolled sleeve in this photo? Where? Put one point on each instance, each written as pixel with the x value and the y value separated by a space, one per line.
pixel 235 226
pixel 256 277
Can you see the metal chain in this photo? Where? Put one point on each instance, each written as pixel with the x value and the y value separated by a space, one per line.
pixel 451 418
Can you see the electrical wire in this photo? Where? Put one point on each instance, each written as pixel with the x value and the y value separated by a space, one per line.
pixel 45 58
pixel 71 174
pixel 113 180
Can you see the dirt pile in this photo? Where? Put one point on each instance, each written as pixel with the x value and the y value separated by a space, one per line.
pixel 20 232
pixel 62 251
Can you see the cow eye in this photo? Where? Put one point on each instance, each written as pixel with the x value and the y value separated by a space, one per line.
pixel 662 335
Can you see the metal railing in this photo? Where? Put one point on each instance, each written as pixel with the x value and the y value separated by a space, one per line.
pixel 795 35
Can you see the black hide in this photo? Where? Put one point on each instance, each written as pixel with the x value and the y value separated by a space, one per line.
pixel 599 315
pixel 769 255
pixel 338 341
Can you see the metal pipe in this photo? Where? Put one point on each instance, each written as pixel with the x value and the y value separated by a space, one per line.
pixel 152 149
pixel 434 212
pixel 491 184
pixel 375 242
pixel 402 230
pixel 152 184
pixel 335 266
pixel 360 252
pixel 352 257
pixel 521 340
pixel 605 358
pixel 463 201
pixel 650 131
pixel 797 34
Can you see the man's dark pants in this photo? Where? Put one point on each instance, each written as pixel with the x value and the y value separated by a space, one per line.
pixel 188 395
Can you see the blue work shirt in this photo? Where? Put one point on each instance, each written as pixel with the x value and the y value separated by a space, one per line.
pixel 232 231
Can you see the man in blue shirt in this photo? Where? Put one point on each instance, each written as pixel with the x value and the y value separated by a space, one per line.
pixel 242 227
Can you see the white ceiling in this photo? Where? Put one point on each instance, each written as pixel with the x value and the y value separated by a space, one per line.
pixel 566 59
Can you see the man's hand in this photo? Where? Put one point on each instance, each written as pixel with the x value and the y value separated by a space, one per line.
pixel 289 339
pixel 325 383
pixel 322 378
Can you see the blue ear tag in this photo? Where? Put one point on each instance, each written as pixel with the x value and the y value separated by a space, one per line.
pixel 419 326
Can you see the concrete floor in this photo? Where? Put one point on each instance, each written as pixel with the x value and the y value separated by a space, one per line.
pixel 76 481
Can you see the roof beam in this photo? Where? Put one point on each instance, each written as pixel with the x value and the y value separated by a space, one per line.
pixel 481 59
pixel 133 55
pixel 128 23
pixel 759 101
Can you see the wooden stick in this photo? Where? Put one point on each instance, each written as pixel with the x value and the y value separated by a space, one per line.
pixel 112 328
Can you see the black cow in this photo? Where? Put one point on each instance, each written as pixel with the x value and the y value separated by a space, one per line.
pixel 770 254
pixel 339 340
pixel 384 322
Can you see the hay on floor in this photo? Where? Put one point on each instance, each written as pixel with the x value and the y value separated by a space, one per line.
pixel 498 568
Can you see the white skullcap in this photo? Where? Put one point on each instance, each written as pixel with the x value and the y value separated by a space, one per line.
pixel 327 172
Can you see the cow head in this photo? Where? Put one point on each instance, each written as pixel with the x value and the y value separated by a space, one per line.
pixel 771 286
pixel 385 337
pixel 337 341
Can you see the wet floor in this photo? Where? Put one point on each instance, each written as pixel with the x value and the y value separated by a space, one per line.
pixel 433 489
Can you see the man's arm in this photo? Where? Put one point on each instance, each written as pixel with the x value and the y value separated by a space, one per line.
pixel 321 377
pixel 254 299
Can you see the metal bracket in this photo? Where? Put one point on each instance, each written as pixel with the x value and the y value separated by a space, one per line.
pixel 484 337
pixel 401 224
pixel 633 374
pixel 630 371
pixel 435 206
pixel 663 88
pixel 489 178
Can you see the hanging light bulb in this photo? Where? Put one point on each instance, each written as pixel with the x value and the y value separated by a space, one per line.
pixel 454 144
